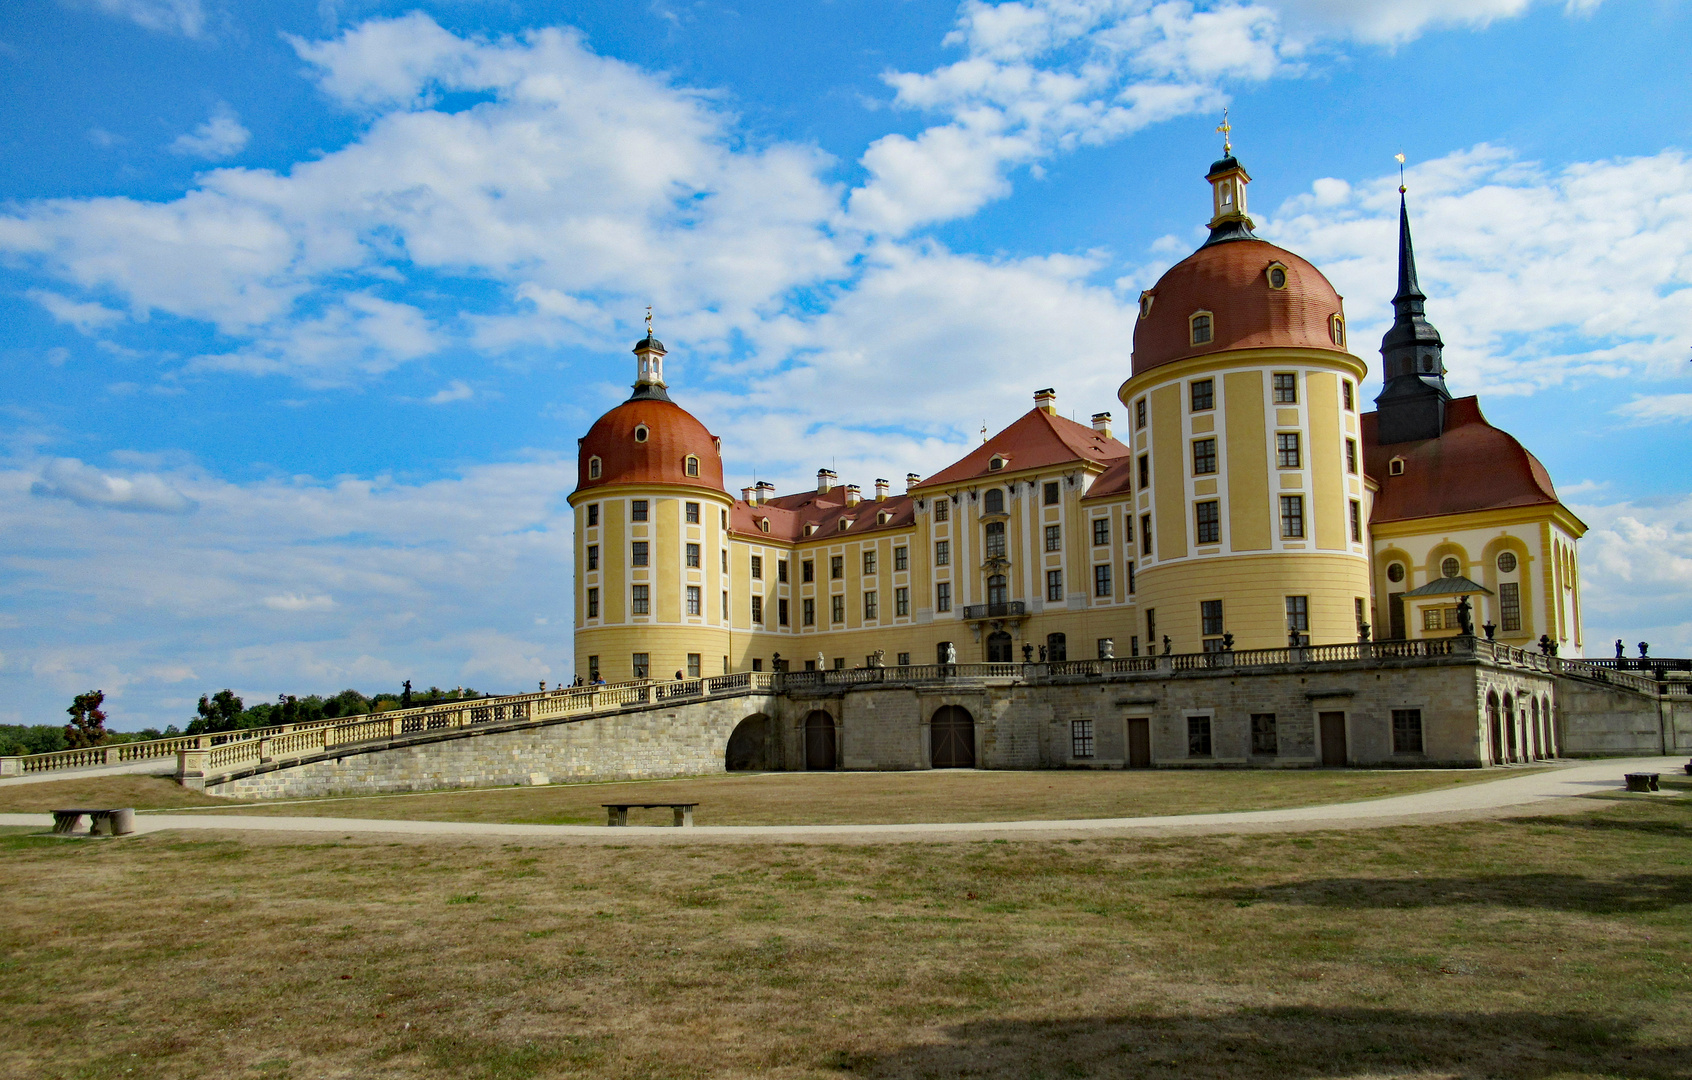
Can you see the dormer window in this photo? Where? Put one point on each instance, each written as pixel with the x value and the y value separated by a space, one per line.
pixel 593 468
pixel 1395 467
pixel 691 465
pixel 640 433
pixel 845 523
pixel 883 518
pixel 1336 329
pixel 1146 299
pixel 1198 325
pixel 1277 276
pixel 811 528
pixel 763 524
pixel 997 463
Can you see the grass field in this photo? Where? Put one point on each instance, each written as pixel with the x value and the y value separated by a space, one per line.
pixel 1554 947
pixel 815 798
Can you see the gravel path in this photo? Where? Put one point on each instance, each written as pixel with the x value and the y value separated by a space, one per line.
pixel 1548 791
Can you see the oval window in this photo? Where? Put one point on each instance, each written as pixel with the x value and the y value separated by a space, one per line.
pixel 1450 568
pixel 1506 562
pixel 640 433
pixel 1395 572
pixel 1277 277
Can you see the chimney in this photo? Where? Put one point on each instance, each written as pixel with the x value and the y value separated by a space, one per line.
pixel 765 490
pixel 1046 400
pixel 912 480
pixel 747 495
pixel 825 481
pixel 880 489
pixel 1101 423
pixel 854 495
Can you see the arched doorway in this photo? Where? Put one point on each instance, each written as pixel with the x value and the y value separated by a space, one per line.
pixel 749 745
pixel 820 752
pixel 1057 647
pixel 1535 749
pixel 999 647
pixel 1496 729
pixel 952 739
pixel 1510 729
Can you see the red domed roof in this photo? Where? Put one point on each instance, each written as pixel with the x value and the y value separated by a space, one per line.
pixel 1231 281
pixel 672 434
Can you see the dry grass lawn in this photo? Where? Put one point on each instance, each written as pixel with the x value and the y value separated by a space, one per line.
pixel 1552 947
pixel 814 798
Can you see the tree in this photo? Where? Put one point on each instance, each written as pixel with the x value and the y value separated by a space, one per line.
pixel 219 712
pixel 88 722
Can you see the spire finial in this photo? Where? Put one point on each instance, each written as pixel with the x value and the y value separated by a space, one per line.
pixel 649 318
pixel 1398 157
pixel 1225 128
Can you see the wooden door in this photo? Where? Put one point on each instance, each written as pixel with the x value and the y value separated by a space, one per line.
pixel 1333 738
pixel 1139 743
pixel 1395 606
pixel 952 739
pixel 819 742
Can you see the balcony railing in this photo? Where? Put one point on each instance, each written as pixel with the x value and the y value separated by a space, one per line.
pixel 1015 609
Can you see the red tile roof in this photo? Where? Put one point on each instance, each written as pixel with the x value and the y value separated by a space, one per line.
pixel 1036 440
pixel 789 514
pixel 1472 466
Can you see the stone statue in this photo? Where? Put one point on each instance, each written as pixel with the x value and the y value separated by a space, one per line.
pixel 1227 642
pixel 1042 654
pixel 879 658
pixel 1621 650
pixel 1168 646
pixel 1107 649
pixel 820 664
pixel 1545 644
pixel 951 653
pixel 1466 616
pixel 405 699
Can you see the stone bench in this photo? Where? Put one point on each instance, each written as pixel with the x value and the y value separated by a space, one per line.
pixel 618 813
pixel 1641 781
pixel 119 822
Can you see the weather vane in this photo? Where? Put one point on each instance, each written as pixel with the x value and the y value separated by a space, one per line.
pixel 1225 128
pixel 649 320
pixel 1399 157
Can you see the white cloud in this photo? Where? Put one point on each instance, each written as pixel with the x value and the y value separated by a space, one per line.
pixel 185 17
pixel 1397 21
pixel 299 602
pixel 220 136
pixel 68 478
pixel 1660 409
pixel 1636 575
pixel 86 317
pixel 456 390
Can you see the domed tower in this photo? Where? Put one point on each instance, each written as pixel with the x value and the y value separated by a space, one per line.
pixel 651 529
pixel 1250 499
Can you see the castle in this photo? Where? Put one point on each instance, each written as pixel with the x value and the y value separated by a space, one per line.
pixel 1245 502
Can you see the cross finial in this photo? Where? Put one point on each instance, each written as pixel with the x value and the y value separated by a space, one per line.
pixel 1225 128
pixel 1399 157
pixel 649 320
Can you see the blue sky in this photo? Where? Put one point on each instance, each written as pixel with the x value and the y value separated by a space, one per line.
pixel 306 304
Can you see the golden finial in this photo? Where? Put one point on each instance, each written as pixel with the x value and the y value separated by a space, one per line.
pixel 1225 128
pixel 1399 157
pixel 649 320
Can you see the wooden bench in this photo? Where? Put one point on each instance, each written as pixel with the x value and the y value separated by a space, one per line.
pixel 617 813
pixel 119 822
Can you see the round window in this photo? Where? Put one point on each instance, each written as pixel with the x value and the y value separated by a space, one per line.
pixel 640 433
pixel 1395 572
pixel 1506 562
pixel 1277 278
pixel 1450 568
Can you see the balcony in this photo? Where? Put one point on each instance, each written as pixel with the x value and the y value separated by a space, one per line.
pixel 1016 609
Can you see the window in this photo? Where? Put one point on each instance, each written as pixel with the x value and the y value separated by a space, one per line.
pixel 1351 455
pixel 996 464
pixel 1057 647
pixel 808 611
pixel 593 557
pixel 1203 393
pixel 901 602
pixel 942 509
pixel 725 514
pixel 1081 738
pixel 1506 562
pixel 693 665
pixel 593 669
pixel 781 612
pixel 1357 612
pixel 1435 618
pixel 1146 299
pixel 942 553
pixel 1510 605
pixel 1298 618
pixel 642 665
pixel 840 663
pixel 1131 582
pixel 593 516
pixel 593 468
pixel 872 605
pixel 691 466
pixel 1054 585
pixel 757 568
pixel 725 556
pixel 1198 736
pixel 1349 394
pixel 725 605
pixel 869 562
pixel 1151 629
pixel 1336 330
pixel 757 609
pixel 1286 389
pixel 694 604
pixel 1395 572
pixel 1051 493
pixel 901 558
pixel 1356 522
pixel 943 596
pixel 1292 516
pixel 642 604
pixel 995 589
pixel 904 659
pixel 781 571
pixel 693 555
pixel 1101 532
pixel 837 609
pixel 1054 538
pixel 1145 535
pixel 1199 327
pixel 641 433
pixel 1204 457
pixel 1145 471
pixel 836 567
pixel 995 539
pixel 807 571
pixel 1277 276
pixel 1407 731
pixel 638 553
pixel 764 524
pixel 1140 415
pixel 593 604
pixel 1450 567
pixel 757 663
pixel 692 513
pixel 1395 467
pixel 637 510
pixel 994 501
pixel 1209 520
pixel 1286 450
pixel 1263 737
pixel 1101 580
pixel 1210 617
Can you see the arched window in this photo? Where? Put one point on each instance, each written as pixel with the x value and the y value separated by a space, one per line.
pixel 1145 303
pixel 640 433
pixel 997 463
pixel 993 502
pixel 691 466
pixel 764 524
pixel 593 468
pixel 1200 327
pixel 1336 330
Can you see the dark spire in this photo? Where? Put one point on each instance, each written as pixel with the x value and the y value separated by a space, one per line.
pixel 1412 401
